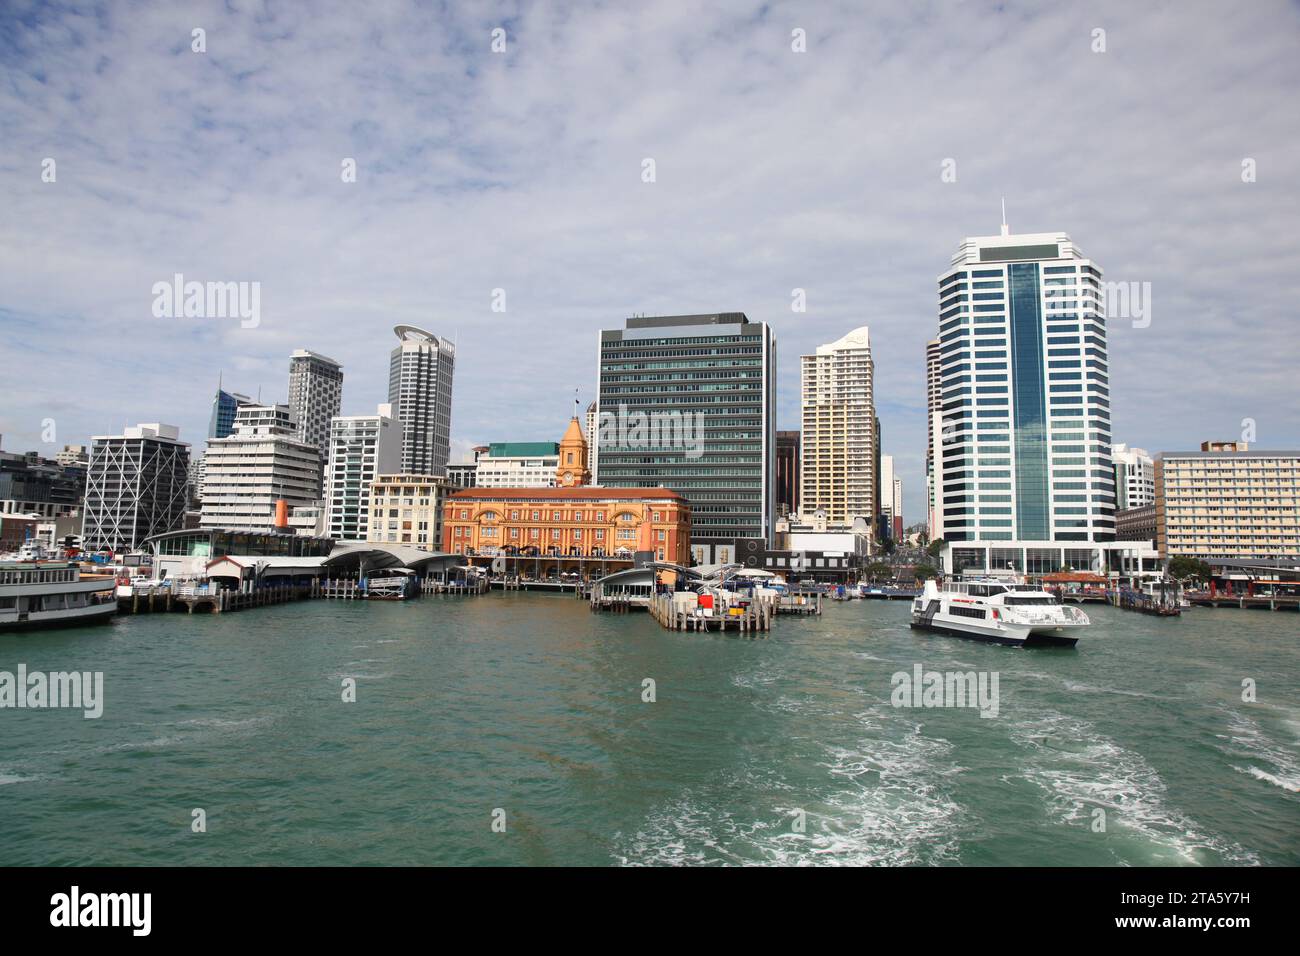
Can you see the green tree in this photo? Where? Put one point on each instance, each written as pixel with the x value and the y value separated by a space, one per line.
pixel 924 572
pixel 877 570
pixel 887 546
pixel 1181 569
pixel 934 549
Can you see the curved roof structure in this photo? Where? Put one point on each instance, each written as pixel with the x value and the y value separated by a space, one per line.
pixel 411 333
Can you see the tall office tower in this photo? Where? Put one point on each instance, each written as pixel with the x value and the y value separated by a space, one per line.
pixel 1022 465
pixel 420 371
pixel 787 472
pixel 224 406
pixel 688 402
pixel 1135 477
pixel 315 395
pixel 360 448
pixel 891 500
pixel 841 449
pixel 259 463
pixel 933 410
pixel 590 431
pixel 137 486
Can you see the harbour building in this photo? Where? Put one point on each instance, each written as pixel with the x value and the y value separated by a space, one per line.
pixel 891 501
pixel 687 402
pixel 408 509
pixel 262 461
pixel 1228 501
pixel 518 464
pixel 420 372
pixel 360 448
pixel 840 464
pixel 136 487
pixel 315 395
pixel 1022 467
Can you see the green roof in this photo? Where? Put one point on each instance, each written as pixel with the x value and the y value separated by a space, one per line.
pixel 523 449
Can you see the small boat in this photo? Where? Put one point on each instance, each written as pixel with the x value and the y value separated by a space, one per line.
pixel 36 594
pixel 998 611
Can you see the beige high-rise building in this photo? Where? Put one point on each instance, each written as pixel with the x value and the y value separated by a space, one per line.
pixel 838 438
pixel 1227 501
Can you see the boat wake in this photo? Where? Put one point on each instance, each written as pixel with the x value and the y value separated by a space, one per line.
pixel 1081 770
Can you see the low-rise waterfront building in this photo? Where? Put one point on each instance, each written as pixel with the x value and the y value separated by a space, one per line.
pixel 582 521
pixel 261 462
pixel 1136 524
pixel 137 486
pixel 1227 501
pixel 31 484
pixel 408 509
pixel 518 464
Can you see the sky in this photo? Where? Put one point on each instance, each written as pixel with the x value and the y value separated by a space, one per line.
pixel 522 170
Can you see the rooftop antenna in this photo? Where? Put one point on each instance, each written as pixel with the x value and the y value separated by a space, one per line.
pixel 1006 230
pixel 576 403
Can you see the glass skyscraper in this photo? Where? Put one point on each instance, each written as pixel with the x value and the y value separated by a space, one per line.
pixel 1022 464
pixel 687 402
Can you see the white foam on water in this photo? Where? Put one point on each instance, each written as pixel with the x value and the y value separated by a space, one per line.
pixel 1080 769
pixel 1245 738
pixel 8 778
pixel 884 802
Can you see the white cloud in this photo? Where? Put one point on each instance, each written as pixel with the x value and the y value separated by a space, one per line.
pixel 522 171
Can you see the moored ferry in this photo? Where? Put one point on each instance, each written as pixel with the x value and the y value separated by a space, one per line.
pixel 999 611
pixel 35 594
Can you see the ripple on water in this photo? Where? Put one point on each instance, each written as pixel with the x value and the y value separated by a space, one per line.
pixel 882 802
pixel 1080 770
pixel 1246 740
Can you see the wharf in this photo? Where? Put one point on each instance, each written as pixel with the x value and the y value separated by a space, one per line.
pixel 755 616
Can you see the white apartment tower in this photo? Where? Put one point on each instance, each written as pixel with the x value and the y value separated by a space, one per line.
pixel 420 372
pixel 838 473
pixel 137 486
pixel 259 463
pixel 891 499
pixel 1135 477
pixel 1021 445
pixel 360 447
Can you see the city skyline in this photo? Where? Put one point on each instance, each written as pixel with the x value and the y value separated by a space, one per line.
pixel 464 187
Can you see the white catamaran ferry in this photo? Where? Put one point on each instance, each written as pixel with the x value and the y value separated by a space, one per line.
pixel 1000 611
pixel 52 594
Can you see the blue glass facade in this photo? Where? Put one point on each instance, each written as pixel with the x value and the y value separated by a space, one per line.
pixel 1033 499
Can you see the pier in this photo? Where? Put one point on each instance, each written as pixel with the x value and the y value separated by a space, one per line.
pixel 209 600
pixel 670 609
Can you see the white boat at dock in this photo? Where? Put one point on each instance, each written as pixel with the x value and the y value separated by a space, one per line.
pixel 37 594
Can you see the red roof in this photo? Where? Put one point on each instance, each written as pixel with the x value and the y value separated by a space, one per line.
pixel 584 493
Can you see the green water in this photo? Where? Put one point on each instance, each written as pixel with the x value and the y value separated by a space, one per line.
pixel 531 704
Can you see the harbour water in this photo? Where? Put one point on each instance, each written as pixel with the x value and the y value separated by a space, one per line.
pixel 531 704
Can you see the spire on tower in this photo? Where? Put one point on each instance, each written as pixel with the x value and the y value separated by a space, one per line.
pixel 1006 230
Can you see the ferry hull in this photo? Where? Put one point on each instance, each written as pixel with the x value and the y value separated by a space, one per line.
pixel 1041 638
pixel 44 621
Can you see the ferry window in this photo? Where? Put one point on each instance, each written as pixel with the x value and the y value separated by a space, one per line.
pixel 1028 600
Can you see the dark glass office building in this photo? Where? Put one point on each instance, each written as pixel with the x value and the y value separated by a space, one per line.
pixel 687 402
